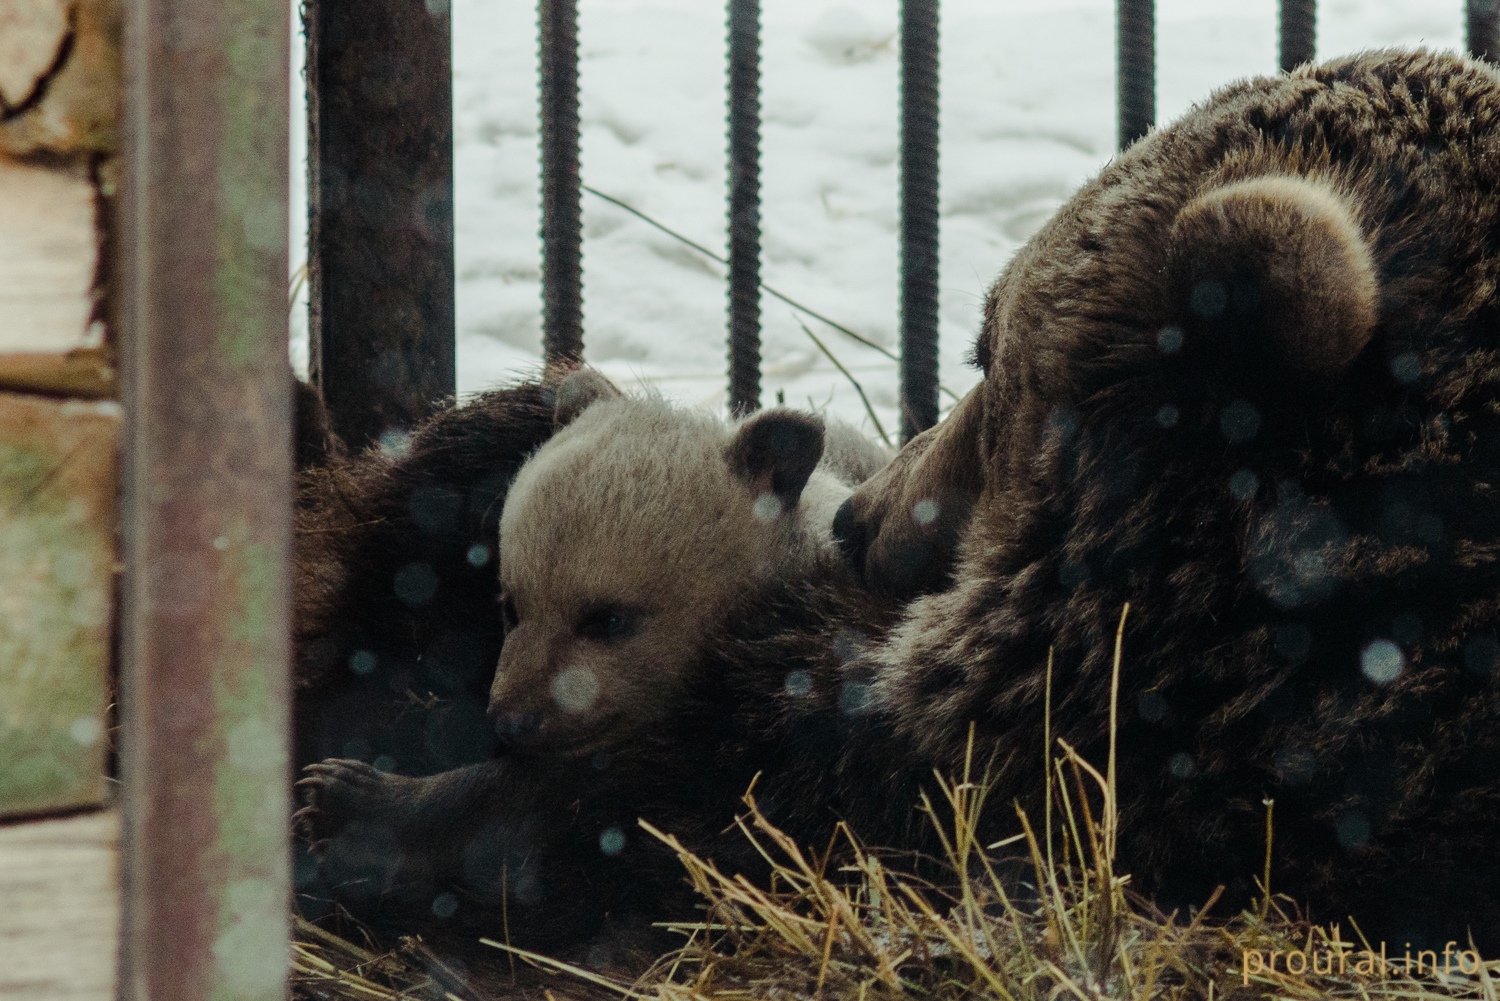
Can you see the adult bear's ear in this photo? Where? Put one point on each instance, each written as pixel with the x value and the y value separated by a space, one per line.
pixel 1276 261
pixel 577 391
pixel 773 453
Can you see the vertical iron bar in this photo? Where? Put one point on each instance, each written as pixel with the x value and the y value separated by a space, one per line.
pixel 1299 32
pixel 380 198
pixel 744 206
pixel 1483 29
pixel 919 216
pixel 207 497
pixel 562 218
pixel 1135 68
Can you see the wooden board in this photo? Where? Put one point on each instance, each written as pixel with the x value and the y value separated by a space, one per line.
pixel 57 553
pixel 60 923
pixel 59 110
pixel 60 78
pixel 88 373
pixel 32 36
pixel 47 261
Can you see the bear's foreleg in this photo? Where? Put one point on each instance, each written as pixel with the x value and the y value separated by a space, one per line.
pixel 525 850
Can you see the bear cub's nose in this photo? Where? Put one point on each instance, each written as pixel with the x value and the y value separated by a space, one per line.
pixel 518 729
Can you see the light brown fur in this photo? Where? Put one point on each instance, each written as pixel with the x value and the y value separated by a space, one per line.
pixel 633 533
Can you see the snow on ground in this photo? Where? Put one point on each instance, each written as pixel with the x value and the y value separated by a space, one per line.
pixel 1027 116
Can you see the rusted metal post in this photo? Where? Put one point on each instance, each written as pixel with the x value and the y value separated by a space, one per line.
pixel 1298 25
pixel 380 195
pixel 207 499
pixel 1135 68
pixel 744 205
pixel 562 215
pixel 919 216
pixel 1482 21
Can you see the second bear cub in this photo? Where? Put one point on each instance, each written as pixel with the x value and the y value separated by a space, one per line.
pixel 631 534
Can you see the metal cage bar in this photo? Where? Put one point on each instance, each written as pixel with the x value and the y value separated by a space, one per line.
pixel 744 205
pixel 919 216
pixel 1135 68
pixel 1482 29
pixel 1298 31
pixel 205 609
pixel 562 213
pixel 380 193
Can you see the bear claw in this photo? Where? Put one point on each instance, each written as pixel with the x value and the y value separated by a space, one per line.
pixel 339 791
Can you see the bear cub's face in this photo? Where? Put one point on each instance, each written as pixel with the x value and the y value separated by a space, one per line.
pixel 626 539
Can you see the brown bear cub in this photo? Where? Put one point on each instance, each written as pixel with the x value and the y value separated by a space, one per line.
pixel 1248 381
pixel 631 536
pixel 627 539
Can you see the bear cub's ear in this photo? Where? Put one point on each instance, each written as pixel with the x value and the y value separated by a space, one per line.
pixel 774 453
pixel 1277 261
pixel 576 392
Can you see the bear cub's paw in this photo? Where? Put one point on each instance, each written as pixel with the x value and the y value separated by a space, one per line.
pixel 341 792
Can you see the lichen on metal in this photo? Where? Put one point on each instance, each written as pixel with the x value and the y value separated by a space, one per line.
pixel 249 787
pixel 205 618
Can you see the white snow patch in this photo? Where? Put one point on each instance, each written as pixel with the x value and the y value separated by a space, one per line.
pixel 1027 116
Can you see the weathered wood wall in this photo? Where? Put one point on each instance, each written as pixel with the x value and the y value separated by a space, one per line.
pixel 57 490
pixel 59 435
pixel 59 427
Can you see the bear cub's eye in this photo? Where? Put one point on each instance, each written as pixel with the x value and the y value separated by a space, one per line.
pixel 609 623
pixel 508 616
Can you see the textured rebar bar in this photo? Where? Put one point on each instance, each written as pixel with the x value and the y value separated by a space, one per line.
pixel 1483 29
pixel 744 205
pixel 1135 68
pixel 1299 31
pixel 919 216
pixel 562 211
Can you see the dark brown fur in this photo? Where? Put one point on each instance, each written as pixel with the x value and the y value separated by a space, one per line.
pixel 396 624
pixel 315 442
pixel 1366 513
pixel 1372 514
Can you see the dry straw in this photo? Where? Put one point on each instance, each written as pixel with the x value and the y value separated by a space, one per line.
pixel 1039 916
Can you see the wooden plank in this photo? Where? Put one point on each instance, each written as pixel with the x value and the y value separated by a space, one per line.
pixel 33 34
pixel 48 253
pixel 88 373
pixel 59 100
pixel 60 925
pixel 61 88
pixel 57 529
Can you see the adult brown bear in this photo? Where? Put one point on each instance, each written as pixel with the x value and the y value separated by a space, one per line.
pixel 1246 380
